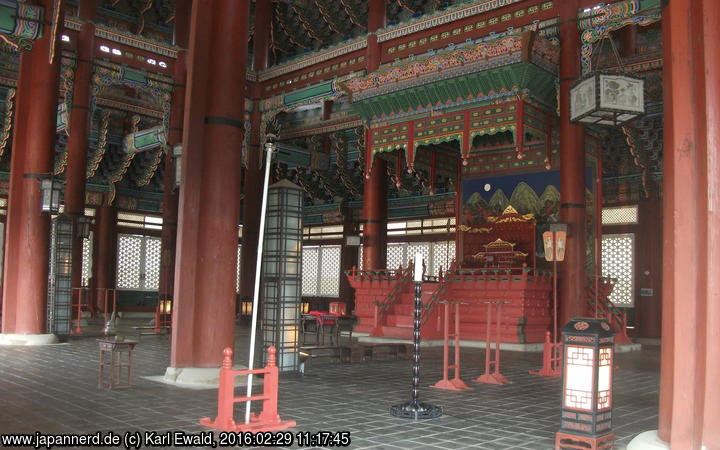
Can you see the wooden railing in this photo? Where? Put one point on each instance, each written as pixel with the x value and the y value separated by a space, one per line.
pixel 606 309
pixel 404 278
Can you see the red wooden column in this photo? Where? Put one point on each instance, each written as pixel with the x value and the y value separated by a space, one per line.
pixel 572 280
pixel 104 267
pixel 374 212
pixel 27 236
pixel 689 416
pixel 75 172
pixel 711 313
pixel 204 306
pixel 170 194
pixel 253 173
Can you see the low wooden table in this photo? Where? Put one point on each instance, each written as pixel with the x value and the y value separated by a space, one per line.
pixel 115 355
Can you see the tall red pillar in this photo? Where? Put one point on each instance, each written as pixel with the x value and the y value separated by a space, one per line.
pixel 75 171
pixel 27 234
pixel 374 212
pixel 572 280
pixel 170 194
pixel 689 416
pixel 104 266
pixel 253 171
pixel 204 306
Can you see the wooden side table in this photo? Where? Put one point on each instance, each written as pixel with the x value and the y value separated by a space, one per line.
pixel 115 358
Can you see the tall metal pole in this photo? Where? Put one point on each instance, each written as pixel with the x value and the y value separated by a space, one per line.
pixel 269 150
pixel 414 409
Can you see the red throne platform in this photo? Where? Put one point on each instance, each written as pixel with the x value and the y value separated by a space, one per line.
pixel 497 264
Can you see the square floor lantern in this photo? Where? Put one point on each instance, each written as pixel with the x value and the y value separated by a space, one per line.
pixel 50 193
pixel 586 420
pixel 607 99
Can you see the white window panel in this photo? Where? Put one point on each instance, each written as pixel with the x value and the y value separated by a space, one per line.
pixel 621 215
pixel 87 260
pixel 138 266
pixel 330 271
pixel 129 260
pixel 395 256
pixel 443 255
pixel 617 262
pixel 152 263
pixel 310 259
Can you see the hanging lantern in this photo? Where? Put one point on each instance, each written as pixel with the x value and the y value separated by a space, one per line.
pixel 177 158
pixel 83 227
pixel 51 192
pixel 586 419
pixel 607 99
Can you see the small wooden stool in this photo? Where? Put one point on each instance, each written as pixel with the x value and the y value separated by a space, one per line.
pixel 112 362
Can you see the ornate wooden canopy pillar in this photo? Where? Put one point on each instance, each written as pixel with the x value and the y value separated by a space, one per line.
pixel 170 193
pixel 689 416
pixel 75 173
pixel 27 234
pixel 253 173
pixel 213 131
pixel 374 212
pixel 572 172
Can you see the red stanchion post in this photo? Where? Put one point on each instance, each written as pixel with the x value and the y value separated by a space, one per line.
pixel 78 328
pixel 105 305
pixel 551 359
pixel 268 419
pixel 495 377
pixel 456 384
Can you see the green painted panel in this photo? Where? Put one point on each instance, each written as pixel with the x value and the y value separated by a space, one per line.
pixel 133 76
pixel 7 18
pixel 302 95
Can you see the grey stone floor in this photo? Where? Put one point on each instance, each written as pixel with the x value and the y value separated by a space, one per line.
pixel 53 389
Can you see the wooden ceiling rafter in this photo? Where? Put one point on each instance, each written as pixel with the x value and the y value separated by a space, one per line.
pixel 351 15
pixel 285 31
pixel 326 16
pixel 303 20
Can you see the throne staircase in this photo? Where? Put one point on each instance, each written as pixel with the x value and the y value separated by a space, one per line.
pixel 607 309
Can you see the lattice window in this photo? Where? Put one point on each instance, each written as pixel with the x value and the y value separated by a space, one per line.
pixel 237 269
pixel 310 259
pixel 330 271
pixel 442 256
pixel 129 259
pixel 437 255
pixel 321 271
pixel 152 263
pixel 396 256
pixel 87 260
pixel 617 262
pixel 424 249
pixel 621 215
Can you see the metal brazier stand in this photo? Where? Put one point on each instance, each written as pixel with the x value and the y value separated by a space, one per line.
pixel 414 409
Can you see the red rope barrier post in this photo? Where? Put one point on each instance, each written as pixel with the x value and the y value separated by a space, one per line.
pixel 268 419
pixel 496 377
pixel 105 306
pixel 78 329
pixel 456 384
pixel 551 359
